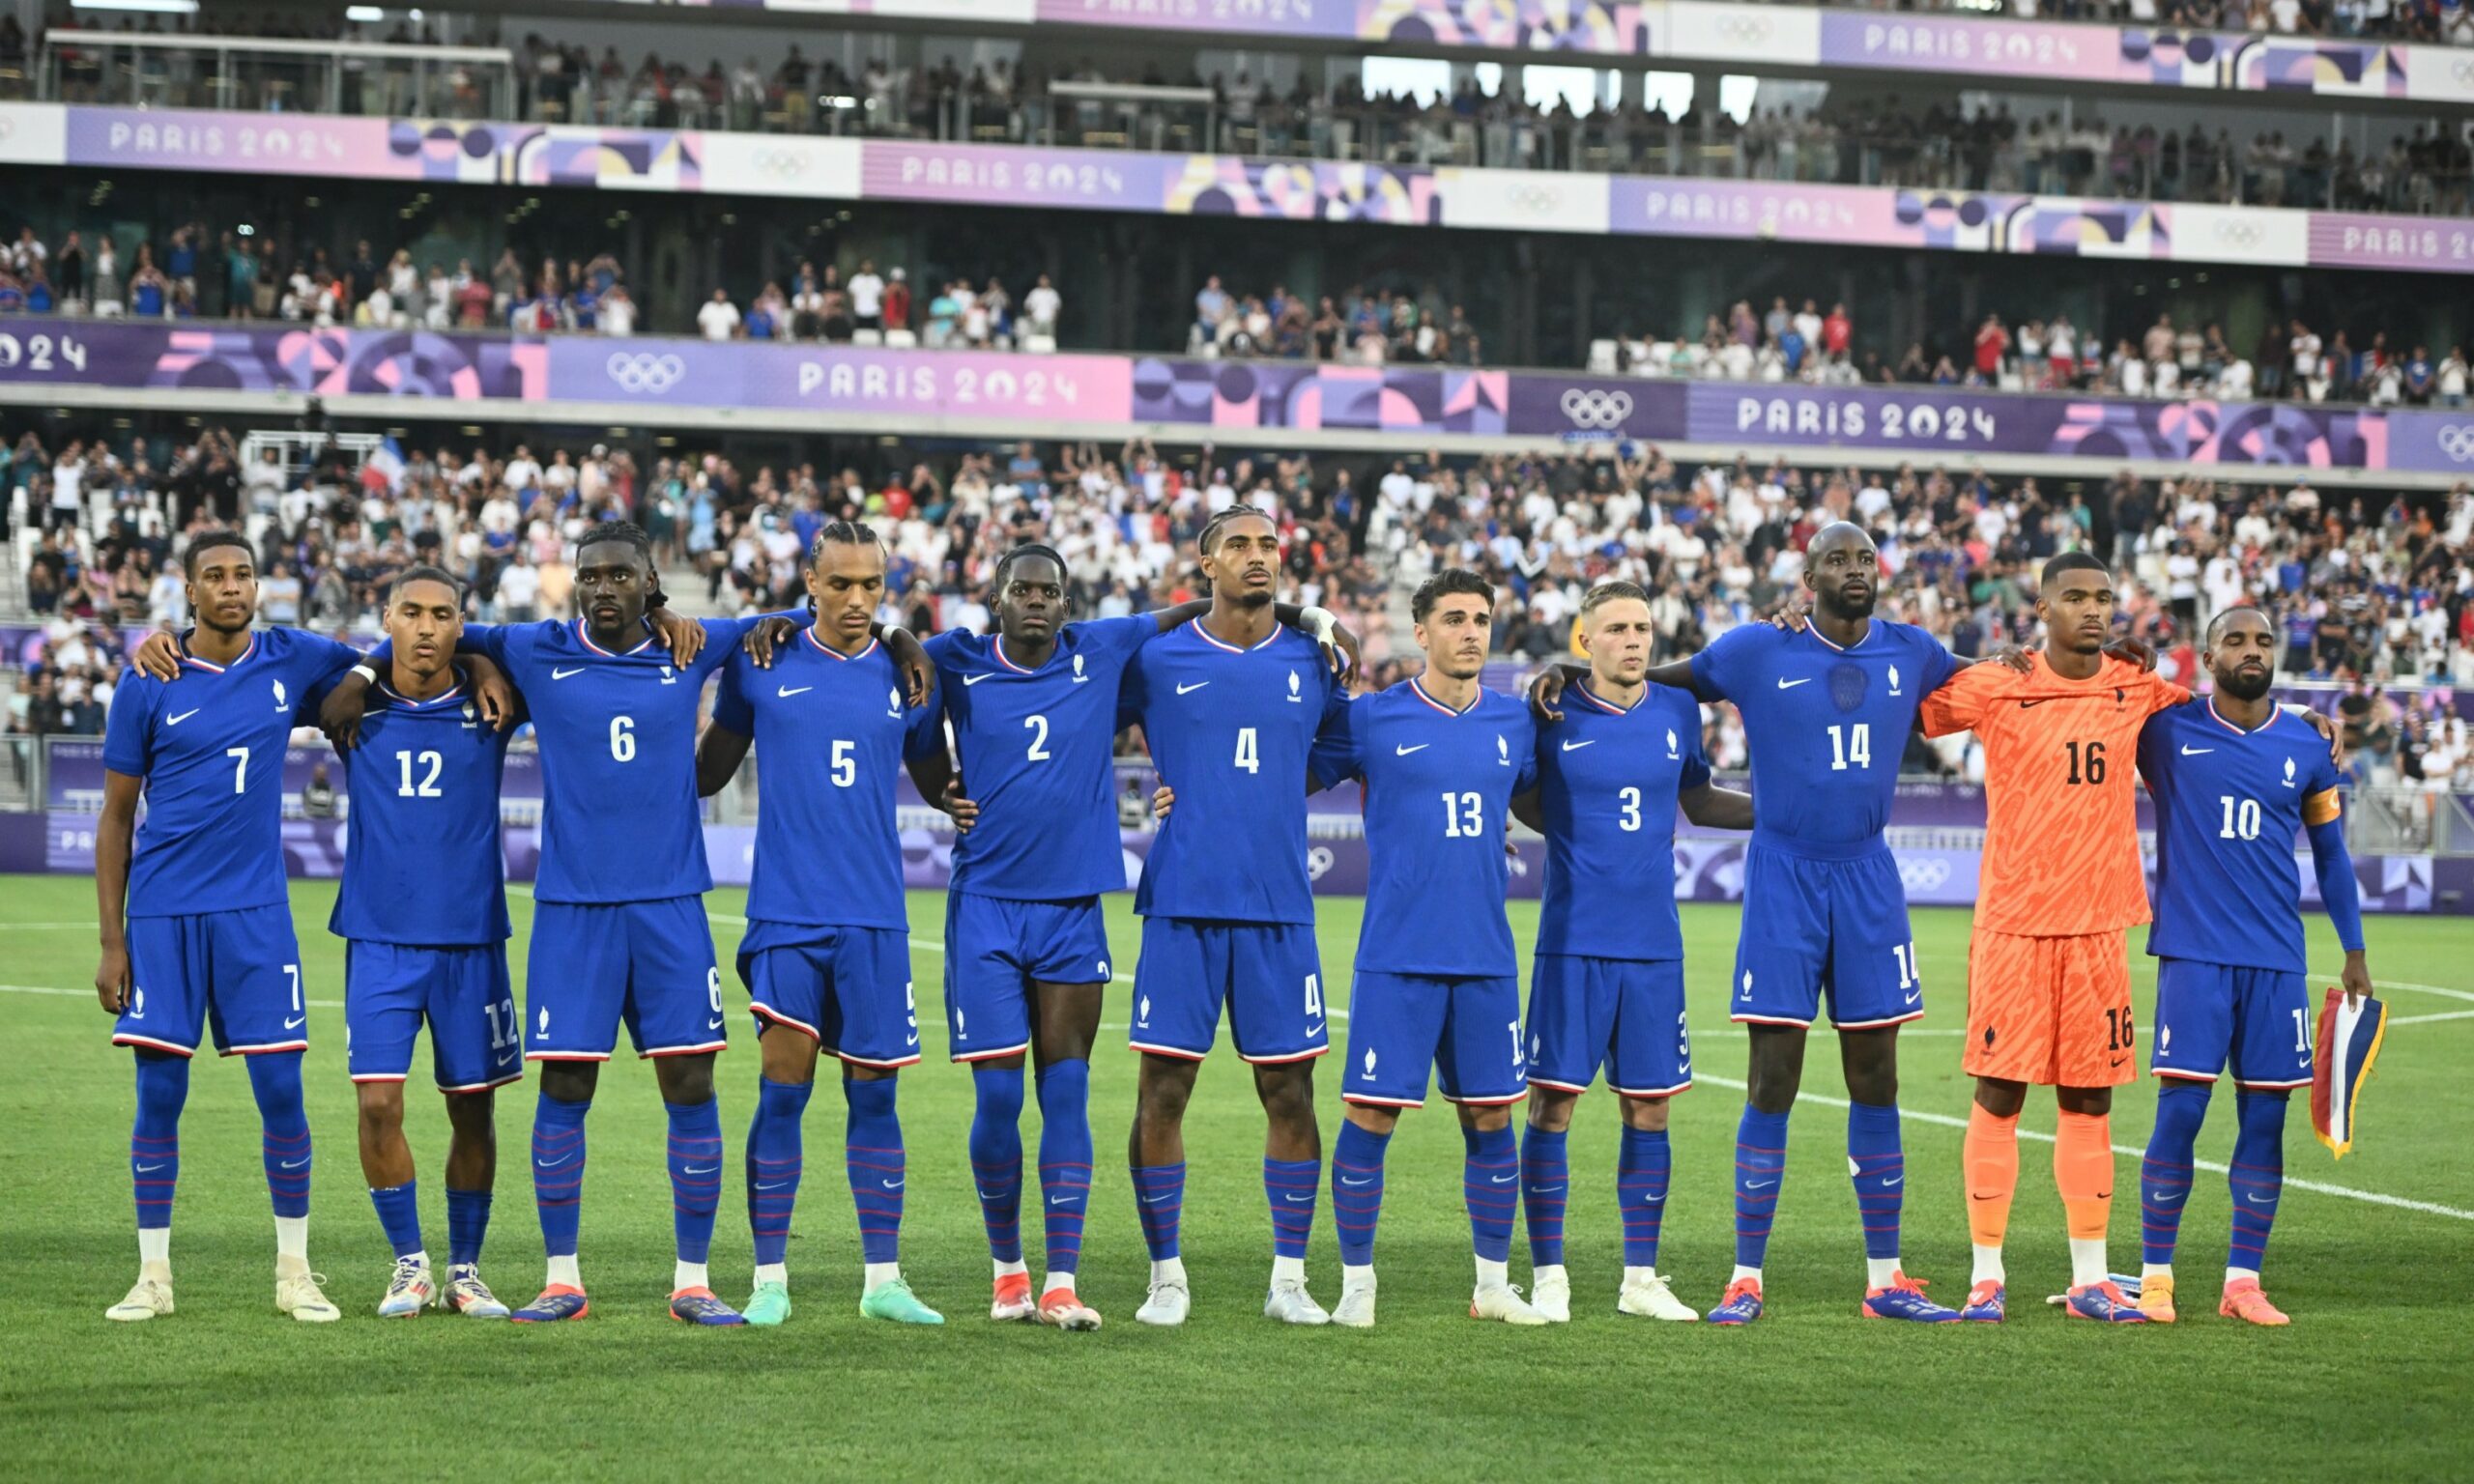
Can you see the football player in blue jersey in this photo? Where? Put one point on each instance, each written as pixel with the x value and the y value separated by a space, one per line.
pixel 1033 714
pixel 197 925
pixel 1826 712
pixel 1437 984
pixel 2235 780
pixel 619 927
pixel 1608 982
pixel 826 969
pixel 423 911
pixel 1230 704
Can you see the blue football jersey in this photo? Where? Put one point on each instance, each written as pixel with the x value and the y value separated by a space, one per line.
pixel 2228 805
pixel 621 819
pixel 210 746
pixel 1825 725
pixel 1439 785
pixel 1607 782
pixel 830 732
pixel 1036 755
pixel 1231 731
pixel 423 860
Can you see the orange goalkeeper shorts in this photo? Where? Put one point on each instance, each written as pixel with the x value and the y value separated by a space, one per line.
pixel 2054 1012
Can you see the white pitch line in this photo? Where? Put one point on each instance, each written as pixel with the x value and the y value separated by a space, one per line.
pixel 1944 1120
pixel 2454 1015
pixel 41 927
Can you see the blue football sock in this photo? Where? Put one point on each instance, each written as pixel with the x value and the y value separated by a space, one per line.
pixel 997 1156
pixel 274 1076
pixel 1357 1191
pixel 873 1155
pixel 2165 1172
pixel 1489 1181
pixel 1290 1187
pixel 695 1174
pixel 1878 1165
pixel 1544 1183
pixel 1760 1167
pixel 558 1170
pixel 1642 1163
pixel 1065 1160
pixel 467 1222
pixel 399 1216
pixel 2258 1177
pixel 1158 1195
pixel 154 1135
pixel 775 1157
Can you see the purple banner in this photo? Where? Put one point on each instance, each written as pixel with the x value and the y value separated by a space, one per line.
pixel 1265 397
pixel 197 139
pixel 838 379
pixel 1007 175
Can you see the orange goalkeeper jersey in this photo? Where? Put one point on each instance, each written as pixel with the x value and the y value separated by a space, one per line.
pixel 2062 841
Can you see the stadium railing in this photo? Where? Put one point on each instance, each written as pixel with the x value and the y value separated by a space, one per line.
pixel 270 75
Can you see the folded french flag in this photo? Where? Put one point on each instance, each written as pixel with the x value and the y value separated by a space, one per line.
pixel 2349 1042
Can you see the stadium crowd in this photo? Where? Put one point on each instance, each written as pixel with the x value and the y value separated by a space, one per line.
pixel 2370 590
pixel 1940 145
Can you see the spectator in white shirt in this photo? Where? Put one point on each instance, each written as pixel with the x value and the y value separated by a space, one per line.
pixel 868 295
pixel 1042 304
pixel 719 317
pixel 617 312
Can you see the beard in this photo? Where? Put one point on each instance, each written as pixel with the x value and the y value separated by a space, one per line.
pixel 1250 597
pixel 2246 685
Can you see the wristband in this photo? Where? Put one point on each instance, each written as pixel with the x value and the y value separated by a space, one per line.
pixel 366 674
pixel 1320 622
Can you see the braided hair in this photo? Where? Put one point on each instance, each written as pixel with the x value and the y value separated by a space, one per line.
pixel 1210 535
pixel 840 533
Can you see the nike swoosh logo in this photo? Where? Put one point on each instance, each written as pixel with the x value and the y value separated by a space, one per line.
pixel 1888 1184
pixel 712 1025
pixel 1786 684
pixel 561 674
pixel 294 1023
pixel 971 681
pixel 1548 1189
pixel 1503 1180
pixel 552 1164
pixel 1571 746
pixel 895 1185
pixel 787 691
pixel 1196 686
pixel 175 721
pixel 1060 1200
pixel 689 1169
pixel 1760 1184
pixel 2256 1200
pixel 1344 1179
pixel 2025 704
pixel 1915 998
pixel 294 1164
pixel 2118 1061
pixel 148 1169
pixel 776 1185
pixel 2196 752
pixel 1297 1200
pixel 1153 1200
pixel 1403 751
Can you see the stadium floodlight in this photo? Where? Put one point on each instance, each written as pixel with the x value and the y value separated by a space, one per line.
pixel 364 14
pixel 151 7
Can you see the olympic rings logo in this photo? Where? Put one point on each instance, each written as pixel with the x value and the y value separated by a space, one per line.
pixel 2457 441
pixel 2237 234
pixel 1922 875
pixel 1590 407
pixel 644 371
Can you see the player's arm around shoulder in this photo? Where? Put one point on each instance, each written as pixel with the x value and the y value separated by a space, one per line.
pixel 1337 755
pixel 1967 699
pixel 731 731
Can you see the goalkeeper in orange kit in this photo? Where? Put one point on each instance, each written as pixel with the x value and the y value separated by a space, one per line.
pixel 2049 996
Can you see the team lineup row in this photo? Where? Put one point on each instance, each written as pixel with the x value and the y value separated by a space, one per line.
pixel 1240 702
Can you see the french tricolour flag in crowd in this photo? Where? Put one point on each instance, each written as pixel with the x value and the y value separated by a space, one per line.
pixel 384 468
pixel 2348 1044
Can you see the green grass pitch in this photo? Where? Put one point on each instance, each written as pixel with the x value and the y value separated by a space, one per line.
pixel 2369 1382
